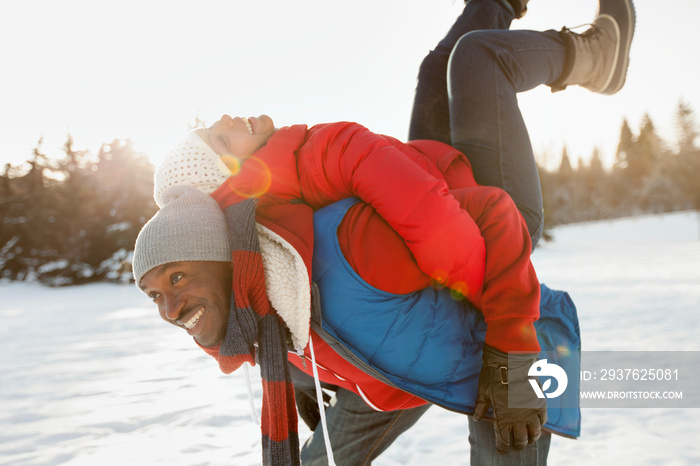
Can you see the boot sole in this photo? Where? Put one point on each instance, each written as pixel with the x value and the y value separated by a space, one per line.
pixel 623 13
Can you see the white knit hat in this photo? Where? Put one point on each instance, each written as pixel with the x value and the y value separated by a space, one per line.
pixel 190 227
pixel 192 163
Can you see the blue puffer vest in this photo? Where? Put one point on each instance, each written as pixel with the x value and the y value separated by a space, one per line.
pixel 426 342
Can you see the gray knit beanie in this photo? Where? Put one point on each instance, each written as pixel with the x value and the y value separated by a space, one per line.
pixel 189 227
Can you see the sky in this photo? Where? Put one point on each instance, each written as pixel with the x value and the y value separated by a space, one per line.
pixel 146 70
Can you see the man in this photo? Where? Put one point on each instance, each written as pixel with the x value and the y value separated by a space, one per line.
pixel 200 320
pixel 182 261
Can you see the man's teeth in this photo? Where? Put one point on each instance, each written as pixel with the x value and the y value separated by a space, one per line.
pixel 248 125
pixel 193 321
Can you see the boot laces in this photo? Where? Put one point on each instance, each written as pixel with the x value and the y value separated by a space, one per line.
pixel 593 35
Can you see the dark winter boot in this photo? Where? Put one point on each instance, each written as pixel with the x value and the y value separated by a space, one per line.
pixel 598 58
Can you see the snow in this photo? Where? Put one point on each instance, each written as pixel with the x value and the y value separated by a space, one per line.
pixel 90 375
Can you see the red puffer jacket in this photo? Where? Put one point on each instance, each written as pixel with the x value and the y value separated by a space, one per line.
pixel 470 238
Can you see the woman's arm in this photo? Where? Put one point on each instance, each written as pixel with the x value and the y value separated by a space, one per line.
pixel 342 160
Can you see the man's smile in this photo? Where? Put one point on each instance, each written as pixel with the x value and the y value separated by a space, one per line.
pixel 192 320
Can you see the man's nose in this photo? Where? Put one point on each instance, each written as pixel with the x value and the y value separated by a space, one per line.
pixel 172 307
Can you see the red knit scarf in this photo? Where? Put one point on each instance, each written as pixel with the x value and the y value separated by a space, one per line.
pixel 253 319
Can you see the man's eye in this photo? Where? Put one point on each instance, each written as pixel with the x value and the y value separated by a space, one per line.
pixel 174 278
pixel 154 296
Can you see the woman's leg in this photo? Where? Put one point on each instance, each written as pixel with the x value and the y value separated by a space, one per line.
pixel 430 117
pixel 486 71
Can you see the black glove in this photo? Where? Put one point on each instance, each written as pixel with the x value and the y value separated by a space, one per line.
pixel 515 427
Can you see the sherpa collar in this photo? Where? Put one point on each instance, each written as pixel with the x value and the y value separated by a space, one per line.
pixel 286 284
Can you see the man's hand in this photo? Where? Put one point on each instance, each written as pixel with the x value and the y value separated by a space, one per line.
pixel 514 427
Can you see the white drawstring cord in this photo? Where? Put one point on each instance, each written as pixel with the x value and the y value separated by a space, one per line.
pixel 321 408
pixel 319 399
pixel 253 411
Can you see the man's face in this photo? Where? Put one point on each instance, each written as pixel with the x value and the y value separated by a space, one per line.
pixel 194 296
pixel 239 137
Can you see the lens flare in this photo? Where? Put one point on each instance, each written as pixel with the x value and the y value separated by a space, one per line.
pixel 459 291
pixel 232 163
pixel 254 180
pixel 456 295
pixel 527 331
pixel 440 276
pixel 563 350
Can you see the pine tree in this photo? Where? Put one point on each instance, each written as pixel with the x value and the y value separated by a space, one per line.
pixel 649 148
pixel 636 161
pixel 561 197
pixel 686 168
pixel 24 238
pixel 67 219
pixel 125 192
pixel 686 128
pixel 625 147
pixel 594 180
pixel 565 169
pixel 8 233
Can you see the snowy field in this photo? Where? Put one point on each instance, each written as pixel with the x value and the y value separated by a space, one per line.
pixel 90 375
